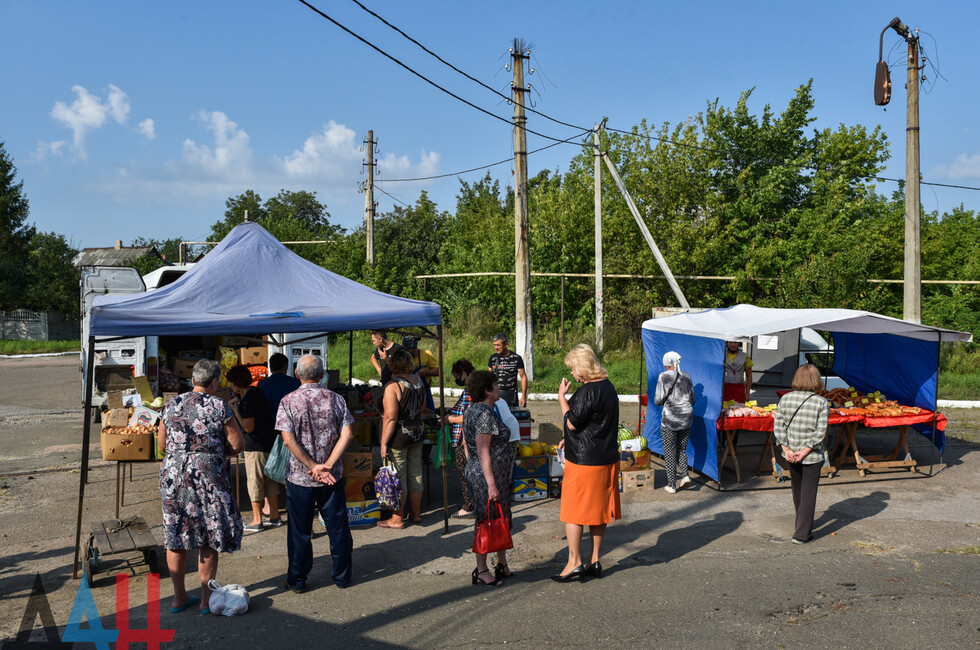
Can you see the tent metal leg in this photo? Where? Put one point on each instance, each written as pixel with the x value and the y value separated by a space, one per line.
pixel 86 436
pixel 350 356
pixel 443 438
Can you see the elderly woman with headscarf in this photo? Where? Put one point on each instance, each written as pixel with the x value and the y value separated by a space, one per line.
pixel 199 510
pixel 675 393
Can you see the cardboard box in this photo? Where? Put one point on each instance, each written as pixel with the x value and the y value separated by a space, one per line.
pixel 530 489
pixel 193 355
pixel 641 481
pixel 531 467
pixel 127 446
pixel 361 430
pixel 117 417
pixel 358 465
pixel 253 355
pixel 363 514
pixel 184 368
pixel 233 341
pixel 631 461
pixel 359 488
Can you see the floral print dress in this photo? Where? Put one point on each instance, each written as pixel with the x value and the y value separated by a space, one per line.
pixel 198 507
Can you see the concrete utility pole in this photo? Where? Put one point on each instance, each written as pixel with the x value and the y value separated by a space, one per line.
pixel 524 343
pixel 369 197
pixel 912 310
pixel 598 240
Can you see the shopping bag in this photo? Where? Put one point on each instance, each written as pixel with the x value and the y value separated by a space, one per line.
pixel 277 466
pixel 492 534
pixel 228 600
pixel 387 487
pixel 445 455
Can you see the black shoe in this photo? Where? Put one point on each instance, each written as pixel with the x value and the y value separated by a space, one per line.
pixel 501 571
pixel 594 570
pixel 578 573
pixel 296 590
pixel 476 578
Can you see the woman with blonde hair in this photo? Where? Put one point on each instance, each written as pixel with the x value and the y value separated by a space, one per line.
pixel 799 428
pixel 590 487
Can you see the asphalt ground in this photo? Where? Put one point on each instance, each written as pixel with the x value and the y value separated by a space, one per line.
pixel 895 560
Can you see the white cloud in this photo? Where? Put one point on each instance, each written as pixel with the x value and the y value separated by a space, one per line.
pixel 147 129
pixel 230 157
pixel 89 112
pixel 963 167
pixel 328 153
pixel 56 148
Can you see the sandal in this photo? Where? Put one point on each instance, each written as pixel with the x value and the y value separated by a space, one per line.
pixel 385 524
pixel 501 571
pixel 463 514
pixel 477 581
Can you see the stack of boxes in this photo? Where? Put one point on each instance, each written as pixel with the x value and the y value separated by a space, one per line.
pixel 635 473
pixel 363 510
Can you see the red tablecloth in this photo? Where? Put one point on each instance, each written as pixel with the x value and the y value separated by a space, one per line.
pixel 899 420
pixel 765 422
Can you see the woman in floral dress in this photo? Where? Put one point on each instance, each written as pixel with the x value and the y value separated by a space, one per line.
pixel 199 511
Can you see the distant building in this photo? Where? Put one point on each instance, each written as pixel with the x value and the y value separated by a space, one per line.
pixel 118 255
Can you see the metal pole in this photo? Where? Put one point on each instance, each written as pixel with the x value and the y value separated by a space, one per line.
pixel 646 233
pixel 442 436
pixel 935 404
pixel 563 310
pixel 86 436
pixel 597 164
pixel 913 241
pixel 350 357
pixel 524 339
pixel 369 199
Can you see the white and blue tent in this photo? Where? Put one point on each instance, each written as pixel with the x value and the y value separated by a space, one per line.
pixel 871 352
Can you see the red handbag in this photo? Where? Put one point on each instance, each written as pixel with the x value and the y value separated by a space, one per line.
pixel 493 534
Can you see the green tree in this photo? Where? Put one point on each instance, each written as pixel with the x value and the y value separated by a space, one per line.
pixel 52 276
pixel 15 235
pixel 169 250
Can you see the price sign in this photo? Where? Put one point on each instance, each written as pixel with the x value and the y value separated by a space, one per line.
pixel 751 403
pixel 849 405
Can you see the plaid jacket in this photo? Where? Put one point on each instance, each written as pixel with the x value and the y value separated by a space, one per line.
pixel 807 428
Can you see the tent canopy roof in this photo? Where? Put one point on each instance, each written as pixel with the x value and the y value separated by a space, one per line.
pixel 251 284
pixel 745 321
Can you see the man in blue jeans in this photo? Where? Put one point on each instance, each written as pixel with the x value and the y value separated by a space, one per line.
pixel 315 425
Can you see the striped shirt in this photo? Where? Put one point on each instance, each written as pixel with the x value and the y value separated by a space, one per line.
pixel 807 428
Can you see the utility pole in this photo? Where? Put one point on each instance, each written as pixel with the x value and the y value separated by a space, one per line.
pixel 912 310
pixel 369 197
pixel 522 266
pixel 598 240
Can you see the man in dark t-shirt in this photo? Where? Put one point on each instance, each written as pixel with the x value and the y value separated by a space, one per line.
pixel 383 347
pixel 279 383
pixel 507 366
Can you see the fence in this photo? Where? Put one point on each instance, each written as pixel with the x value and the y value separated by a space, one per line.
pixel 27 325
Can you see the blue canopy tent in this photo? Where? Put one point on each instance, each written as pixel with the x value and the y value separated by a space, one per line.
pixel 871 352
pixel 249 284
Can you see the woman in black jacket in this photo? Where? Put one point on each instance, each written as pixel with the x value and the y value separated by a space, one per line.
pixel 590 487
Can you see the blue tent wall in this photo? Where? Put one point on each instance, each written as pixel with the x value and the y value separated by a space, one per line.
pixel 701 358
pixel 902 368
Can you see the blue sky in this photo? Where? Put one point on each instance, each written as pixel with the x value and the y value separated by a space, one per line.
pixel 134 118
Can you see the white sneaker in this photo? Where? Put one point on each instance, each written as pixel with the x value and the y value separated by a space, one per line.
pixel 684 482
pixel 670 490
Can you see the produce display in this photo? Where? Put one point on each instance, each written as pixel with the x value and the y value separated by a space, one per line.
pixel 853 402
pixel 536 448
pixel 742 411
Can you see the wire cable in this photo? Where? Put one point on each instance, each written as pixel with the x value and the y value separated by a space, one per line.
pixel 471 78
pixel 423 77
pixel 390 196
pixel 476 169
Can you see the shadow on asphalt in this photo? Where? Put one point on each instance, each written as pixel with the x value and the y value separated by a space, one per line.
pixel 841 514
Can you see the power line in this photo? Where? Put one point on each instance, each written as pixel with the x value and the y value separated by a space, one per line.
pixel 420 75
pixel 471 78
pixel 389 195
pixel 955 187
pixel 476 169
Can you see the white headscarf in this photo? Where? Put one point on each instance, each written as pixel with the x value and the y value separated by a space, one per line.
pixel 672 359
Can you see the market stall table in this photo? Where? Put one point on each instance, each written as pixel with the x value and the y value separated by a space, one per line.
pixel 728 427
pixel 902 423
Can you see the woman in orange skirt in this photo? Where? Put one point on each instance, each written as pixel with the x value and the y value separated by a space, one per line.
pixel 590 487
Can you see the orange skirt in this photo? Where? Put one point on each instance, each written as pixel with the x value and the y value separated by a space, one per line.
pixel 590 494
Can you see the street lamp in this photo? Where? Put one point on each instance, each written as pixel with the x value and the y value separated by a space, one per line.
pixel 912 301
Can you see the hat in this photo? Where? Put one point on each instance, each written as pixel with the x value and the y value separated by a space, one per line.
pixel 671 358
pixel 499 336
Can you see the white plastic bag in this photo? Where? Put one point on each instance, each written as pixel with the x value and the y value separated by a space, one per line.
pixel 230 600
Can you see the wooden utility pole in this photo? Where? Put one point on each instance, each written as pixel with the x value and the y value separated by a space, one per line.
pixel 598 240
pixel 369 197
pixel 912 310
pixel 524 343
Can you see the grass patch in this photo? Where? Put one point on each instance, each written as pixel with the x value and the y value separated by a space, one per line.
pixel 964 550
pixel 38 347
pixel 959 386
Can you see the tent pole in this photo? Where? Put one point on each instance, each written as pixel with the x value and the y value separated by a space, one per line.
pixel 350 357
pixel 442 437
pixel 643 387
pixel 935 404
pixel 86 436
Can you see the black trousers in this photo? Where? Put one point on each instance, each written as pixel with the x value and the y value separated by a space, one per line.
pixel 804 480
